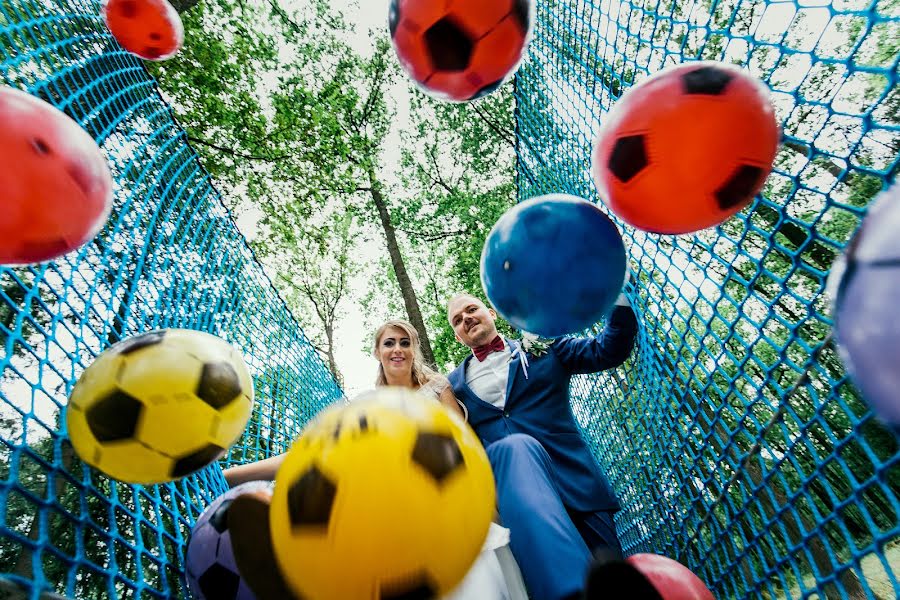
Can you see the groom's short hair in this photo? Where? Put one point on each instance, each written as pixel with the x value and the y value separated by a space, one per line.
pixel 459 295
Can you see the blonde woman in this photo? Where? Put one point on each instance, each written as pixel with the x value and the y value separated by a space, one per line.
pixel 400 363
pixel 495 574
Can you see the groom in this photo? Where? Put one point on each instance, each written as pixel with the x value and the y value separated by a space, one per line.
pixel 551 493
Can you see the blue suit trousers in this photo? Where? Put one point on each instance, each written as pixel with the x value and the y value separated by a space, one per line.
pixel 552 545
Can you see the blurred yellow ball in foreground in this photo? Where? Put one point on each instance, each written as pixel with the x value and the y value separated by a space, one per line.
pixel 159 406
pixel 386 496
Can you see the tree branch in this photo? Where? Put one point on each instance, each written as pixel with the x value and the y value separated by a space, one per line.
pixel 235 152
pixel 374 91
pixel 494 127
pixel 276 8
pixel 433 237
pixel 440 180
pixel 836 170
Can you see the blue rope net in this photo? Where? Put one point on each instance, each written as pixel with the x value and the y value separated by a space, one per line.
pixel 170 256
pixel 735 439
pixel 733 436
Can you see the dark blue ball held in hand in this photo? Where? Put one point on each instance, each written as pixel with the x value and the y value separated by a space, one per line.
pixel 865 286
pixel 210 569
pixel 553 265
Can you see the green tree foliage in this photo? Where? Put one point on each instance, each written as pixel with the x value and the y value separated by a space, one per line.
pixel 295 122
pixel 458 179
pixel 316 270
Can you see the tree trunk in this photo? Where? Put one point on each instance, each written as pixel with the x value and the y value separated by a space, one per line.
pixel 329 353
pixel 406 287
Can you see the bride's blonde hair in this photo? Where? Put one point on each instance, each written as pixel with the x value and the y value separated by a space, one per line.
pixel 421 373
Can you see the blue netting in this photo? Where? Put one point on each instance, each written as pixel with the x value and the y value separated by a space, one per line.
pixel 170 256
pixel 733 436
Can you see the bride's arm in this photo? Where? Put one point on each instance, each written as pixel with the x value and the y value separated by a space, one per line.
pixel 263 469
pixel 448 399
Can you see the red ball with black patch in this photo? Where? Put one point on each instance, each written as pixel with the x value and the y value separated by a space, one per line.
pixel 460 49
pixel 57 187
pixel 643 577
pixel 150 29
pixel 687 148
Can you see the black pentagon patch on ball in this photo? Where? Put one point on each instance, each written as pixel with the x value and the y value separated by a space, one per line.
pixel 311 498
pixel 609 576
pixel 128 9
pixel 141 341
pixel 414 588
pixel 628 157
pixel 219 385
pixel 438 454
pixel 219 519
pixel 448 46
pixel 739 187
pixel 709 81
pixel 114 417
pixel 394 16
pixel 521 12
pixel 196 460
pixel 219 582
pixel 486 90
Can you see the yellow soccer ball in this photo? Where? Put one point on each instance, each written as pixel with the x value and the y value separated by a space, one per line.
pixel 390 496
pixel 160 405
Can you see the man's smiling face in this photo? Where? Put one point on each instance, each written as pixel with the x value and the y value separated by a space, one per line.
pixel 472 322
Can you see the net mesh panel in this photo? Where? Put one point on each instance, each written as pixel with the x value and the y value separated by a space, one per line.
pixel 735 321
pixel 170 256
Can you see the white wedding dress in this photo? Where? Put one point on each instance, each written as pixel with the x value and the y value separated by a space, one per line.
pixel 495 574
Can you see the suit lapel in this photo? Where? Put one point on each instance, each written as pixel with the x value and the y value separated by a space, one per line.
pixel 464 385
pixel 513 367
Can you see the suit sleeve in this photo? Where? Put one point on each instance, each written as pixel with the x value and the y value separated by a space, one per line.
pixel 609 349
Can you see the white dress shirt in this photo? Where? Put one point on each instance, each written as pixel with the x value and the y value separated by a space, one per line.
pixel 488 379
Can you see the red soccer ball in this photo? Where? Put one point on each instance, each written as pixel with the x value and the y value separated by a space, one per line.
pixel 671 579
pixel 150 29
pixel 57 188
pixel 460 49
pixel 687 148
pixel 644 577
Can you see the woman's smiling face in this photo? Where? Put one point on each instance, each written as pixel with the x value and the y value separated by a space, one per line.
pixel 395 352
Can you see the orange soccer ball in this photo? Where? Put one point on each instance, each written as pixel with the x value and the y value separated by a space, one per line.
pixel 687 148
pixel 460 49
pixel 150 29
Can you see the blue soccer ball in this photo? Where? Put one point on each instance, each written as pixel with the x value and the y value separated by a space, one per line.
pixel 209 565
pixel 865 286
pixel 553 265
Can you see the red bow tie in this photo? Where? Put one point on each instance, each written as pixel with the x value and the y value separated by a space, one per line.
pixel 481 352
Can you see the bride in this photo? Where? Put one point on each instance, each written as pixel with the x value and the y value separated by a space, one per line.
pixel 495 574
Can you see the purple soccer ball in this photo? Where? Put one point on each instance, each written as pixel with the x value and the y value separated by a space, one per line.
pixel 865 286
pixel 210 568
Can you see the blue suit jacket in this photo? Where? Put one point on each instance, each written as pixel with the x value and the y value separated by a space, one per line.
pixel 539 406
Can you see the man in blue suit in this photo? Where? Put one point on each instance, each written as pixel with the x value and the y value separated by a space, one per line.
pixel 551 493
